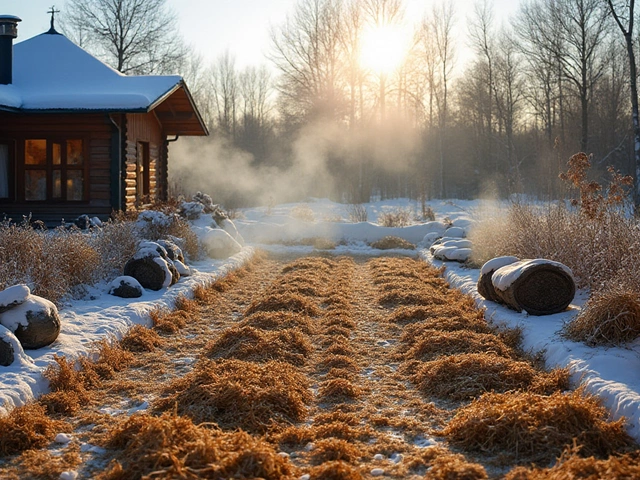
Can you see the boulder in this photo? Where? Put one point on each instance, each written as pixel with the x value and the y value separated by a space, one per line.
pixel 150 270
pixel 174 252
pixel 7 355
pixel 35 323
pixel 455 232
pixel 13 296
pixel 218 243
pixel 182 269
pixel 125 287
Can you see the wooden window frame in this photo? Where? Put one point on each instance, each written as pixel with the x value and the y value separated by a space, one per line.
pixel 11 170
pixel 49 167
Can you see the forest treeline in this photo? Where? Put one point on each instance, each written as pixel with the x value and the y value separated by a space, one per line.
pixel 551 81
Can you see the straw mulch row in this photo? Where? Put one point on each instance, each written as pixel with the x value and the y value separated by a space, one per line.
pixel 518 413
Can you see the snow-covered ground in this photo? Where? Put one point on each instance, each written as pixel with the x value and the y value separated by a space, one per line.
pixel 613 374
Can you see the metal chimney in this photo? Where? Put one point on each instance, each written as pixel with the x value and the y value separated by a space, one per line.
pixel 8 31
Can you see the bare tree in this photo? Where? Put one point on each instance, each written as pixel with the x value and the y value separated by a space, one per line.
pixel 225 89
pixel 625 13
pixel 133 36
pixel 307 51
pixel 442 23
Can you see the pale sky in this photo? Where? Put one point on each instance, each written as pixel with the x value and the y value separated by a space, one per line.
pixel 241 26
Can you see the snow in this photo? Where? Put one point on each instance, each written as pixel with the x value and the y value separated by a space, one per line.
pixel 14 295
pixel 504 277
pixel 50 72
pixel 123 280
pixel 496 263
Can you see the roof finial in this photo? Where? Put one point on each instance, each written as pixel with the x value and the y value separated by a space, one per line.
pixel 53 12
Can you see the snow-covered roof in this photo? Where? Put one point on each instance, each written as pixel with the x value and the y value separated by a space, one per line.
pixel 51 73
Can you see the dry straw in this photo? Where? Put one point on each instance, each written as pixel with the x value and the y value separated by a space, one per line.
pixel 254 345
pixel 410 314
pixel 333 449
pixel 140 339
pixel 170 446
pixel 237 394
pixel 289 302
pixel 571 466
pixel 338 390
pixel 171 322
pixel 28 427
pixel 466 376
pixel 68 387
pixel 434 343
pixel 330 361
pixel 391 242
pixel 336 470
pixel 524 427
pixel 279 321
pixel 610 317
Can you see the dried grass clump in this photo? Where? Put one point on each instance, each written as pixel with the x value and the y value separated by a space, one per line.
pixel 310 263
pixel 434 343
pixel 289 302
pixel 469 375
pixel 340 347
pixel 338 390
pixel 610 317
pixel 402 296
pixel 570 466
pixel 345 373
pixel 140 339
pixel 303 212
pixel 328 362
pixel 454 466
pixel 170 323
pixel 111 358
pixel 43 464
pixel 279 321
pixel 458 311
pixel 350 419
pixel 254 345
pixel 357 213
pixel 28 427
pixel 337 470
pixel 68 387
pixel 184 304
pixel 390 242
pixel 171 446
pixel 526 427
pixel 342 430
pixel 340 319
pixel 237 394
pixel 337 332
pixel 332 449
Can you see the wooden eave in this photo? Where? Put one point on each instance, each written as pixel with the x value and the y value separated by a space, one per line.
pixel 178 113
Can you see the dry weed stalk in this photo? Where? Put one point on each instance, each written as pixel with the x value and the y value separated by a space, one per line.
pixel 169 322
pixel 140 339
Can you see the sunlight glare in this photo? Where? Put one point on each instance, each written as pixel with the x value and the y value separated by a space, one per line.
pixel 383 48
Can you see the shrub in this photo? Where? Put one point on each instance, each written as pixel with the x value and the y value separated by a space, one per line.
pixel 357 213
pixel 304 213
pixel 28 427
pixel 397 217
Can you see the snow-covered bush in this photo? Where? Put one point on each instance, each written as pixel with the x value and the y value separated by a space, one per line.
pixel 357 213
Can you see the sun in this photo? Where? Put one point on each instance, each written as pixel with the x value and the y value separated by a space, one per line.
pixel 383 48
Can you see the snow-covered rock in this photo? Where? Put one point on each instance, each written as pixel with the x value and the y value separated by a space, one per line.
pixel 174 252
pixel 182 269
pixel 151 268
pixel 218 243
pixel 458 250
pixel 191 210
pixel 125 287
pixel 13 296
pixel 455 232
pixel 35 322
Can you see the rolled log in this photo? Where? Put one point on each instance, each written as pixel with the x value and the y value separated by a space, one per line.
pixel 540 287
pixel 485 285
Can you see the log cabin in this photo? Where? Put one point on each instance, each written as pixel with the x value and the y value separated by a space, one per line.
pixel 78 137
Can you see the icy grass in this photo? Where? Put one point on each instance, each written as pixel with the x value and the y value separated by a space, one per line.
pixel 60 263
